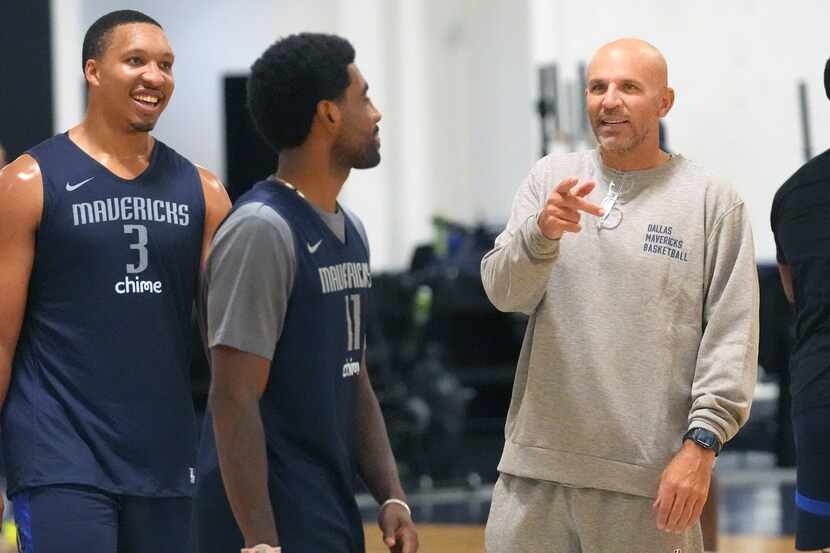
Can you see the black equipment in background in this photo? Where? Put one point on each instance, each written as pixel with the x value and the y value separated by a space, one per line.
pixel 561 109
pixel 249 159
pixel 582 75
pixel 546 107
pixel 807 142
pixel 442 357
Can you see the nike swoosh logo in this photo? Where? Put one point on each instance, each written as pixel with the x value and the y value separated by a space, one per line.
pixel 312 249
pixel 73 187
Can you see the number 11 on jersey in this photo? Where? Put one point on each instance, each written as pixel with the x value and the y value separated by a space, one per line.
pixel 353 322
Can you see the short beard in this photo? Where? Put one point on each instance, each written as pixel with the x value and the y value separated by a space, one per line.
pixel 370 158
pixel 636 141
pixel 366 159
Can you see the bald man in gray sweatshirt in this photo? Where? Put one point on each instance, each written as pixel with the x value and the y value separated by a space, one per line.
pixel 637 269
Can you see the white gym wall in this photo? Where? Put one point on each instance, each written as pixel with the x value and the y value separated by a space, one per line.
pixel 456 81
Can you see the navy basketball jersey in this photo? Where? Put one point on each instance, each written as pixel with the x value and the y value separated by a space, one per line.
pixel 100 391
pixel 308 407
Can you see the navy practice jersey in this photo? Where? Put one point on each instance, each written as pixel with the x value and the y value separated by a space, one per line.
pixel 100 391
pixel 308 409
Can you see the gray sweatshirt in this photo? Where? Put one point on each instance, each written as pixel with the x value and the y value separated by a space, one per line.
pixel 636 333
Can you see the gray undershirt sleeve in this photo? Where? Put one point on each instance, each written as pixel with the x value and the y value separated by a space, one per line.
pixel 250 275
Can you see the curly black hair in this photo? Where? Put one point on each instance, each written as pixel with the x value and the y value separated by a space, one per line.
pixel 288 81
pixel 97 37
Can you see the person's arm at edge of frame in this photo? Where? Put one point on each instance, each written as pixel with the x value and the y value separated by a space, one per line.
pixel 217 205
pixel 785 272
pixel 377 468
pixel 21 206
pixel 726 368
pixel 239 380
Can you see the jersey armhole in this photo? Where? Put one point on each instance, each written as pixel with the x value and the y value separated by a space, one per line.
pixel 46 192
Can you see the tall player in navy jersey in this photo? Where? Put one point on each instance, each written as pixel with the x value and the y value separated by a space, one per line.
pixel 294 417
pixel 102 233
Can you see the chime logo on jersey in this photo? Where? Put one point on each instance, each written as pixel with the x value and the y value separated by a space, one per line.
pixel 135 285
pixel 351 368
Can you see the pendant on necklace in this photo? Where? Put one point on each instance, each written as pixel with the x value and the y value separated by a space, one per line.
pixel 612 215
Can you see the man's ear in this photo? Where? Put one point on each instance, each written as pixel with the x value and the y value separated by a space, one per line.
pixel 666 102
pixel 92 72
pixel 329 115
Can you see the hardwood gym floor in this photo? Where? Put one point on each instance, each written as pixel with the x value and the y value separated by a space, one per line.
pixel 437 538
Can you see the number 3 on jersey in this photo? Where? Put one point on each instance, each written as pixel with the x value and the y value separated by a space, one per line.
pixel 353 341
pixel 139 245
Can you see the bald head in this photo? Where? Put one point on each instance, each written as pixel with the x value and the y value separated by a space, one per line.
pixel 627 94
pixel 644 59
pixel 2 156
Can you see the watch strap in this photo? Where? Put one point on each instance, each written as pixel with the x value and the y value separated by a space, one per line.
pixel 704 438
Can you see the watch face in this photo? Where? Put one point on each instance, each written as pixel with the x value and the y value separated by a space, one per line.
pixel 704 438
pixel 706 441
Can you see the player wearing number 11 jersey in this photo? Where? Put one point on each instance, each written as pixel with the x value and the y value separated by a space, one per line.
pixel 102 234
pixel 293 417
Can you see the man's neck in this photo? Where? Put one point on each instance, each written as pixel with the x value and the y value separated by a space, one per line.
pixel 104 141
pixel 634 161
pixel 316 177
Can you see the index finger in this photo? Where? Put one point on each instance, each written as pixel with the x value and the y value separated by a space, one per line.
pixel 574 195
pixel 564 187
pixel 584 205
pixel 584 189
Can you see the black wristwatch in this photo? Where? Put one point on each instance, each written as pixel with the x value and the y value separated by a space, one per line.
pixel 704 438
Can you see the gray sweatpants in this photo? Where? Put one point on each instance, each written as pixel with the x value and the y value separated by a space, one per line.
pixel 535 516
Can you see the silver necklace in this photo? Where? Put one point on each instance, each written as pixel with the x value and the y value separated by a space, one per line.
pixel 612 215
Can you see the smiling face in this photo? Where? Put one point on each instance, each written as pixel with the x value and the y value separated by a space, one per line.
pixel 132 80
pixel 627 95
